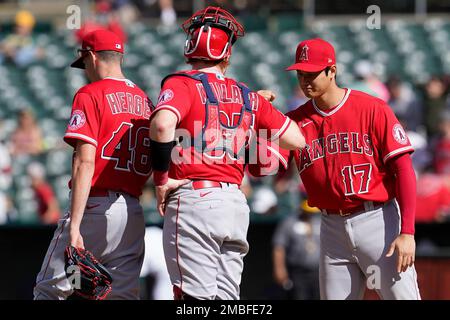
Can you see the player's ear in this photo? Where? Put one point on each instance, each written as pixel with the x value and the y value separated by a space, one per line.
pixel 225 63
pixel 92 57
pixel 333 72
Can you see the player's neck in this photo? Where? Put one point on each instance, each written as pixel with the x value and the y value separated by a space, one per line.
pixel 112 72
pixel 208 67
pixel 331 98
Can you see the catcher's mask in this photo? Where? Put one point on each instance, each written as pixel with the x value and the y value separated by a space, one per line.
pixel 210 34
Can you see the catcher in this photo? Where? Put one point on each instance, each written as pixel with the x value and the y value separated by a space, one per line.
pixel 206 220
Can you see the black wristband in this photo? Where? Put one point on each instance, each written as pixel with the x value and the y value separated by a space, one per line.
pixel 160 152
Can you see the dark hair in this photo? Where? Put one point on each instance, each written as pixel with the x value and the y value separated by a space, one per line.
pixel 327 69
pixel 25 112
pixel 110 56
pixel 195 60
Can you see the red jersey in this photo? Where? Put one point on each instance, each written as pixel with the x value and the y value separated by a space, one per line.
pixel 344 162
pixel 44 195
pixel 433 197
pixel 113 115
pixel 187 98
pixel 442 156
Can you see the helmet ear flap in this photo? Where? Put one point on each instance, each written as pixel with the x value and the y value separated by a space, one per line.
pixel 233 38
pixel 189 46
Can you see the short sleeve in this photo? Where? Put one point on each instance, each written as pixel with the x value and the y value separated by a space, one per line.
pixel 270 159
pixel 175 96
pixel 391 137
pixel 84 121
pixel 281 234
pixel 268 117
pixel 285 157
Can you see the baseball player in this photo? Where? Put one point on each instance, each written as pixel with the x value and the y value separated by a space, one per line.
pixel 206 219
pixel 108 130
pixel 357 169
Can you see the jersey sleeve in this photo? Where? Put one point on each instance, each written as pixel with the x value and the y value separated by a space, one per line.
pixel 270 159
pixel 281 234
pixel 390 134
pixel 270 118
pixel 84 121
pixel 175 96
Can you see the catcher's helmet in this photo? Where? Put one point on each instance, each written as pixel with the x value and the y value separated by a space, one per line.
pixel 210 34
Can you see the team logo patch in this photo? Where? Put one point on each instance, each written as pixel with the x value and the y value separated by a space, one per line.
pixel 165 96
pixel 399 134
pixel 304 53
pixel 77 120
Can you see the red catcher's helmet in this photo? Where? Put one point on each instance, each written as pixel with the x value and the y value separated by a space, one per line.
pixel 210 34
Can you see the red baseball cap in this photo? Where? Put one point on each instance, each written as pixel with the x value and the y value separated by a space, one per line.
pixel 98 40
pixel 313 55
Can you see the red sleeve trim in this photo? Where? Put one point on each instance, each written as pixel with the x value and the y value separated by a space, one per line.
pixel 78 136
pixel 408 149
pixel 280 157
pixel 282 129
pixel 170 108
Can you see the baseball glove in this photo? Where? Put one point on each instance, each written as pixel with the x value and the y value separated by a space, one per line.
pixel 94 282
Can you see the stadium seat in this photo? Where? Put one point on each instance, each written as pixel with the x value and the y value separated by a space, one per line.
pixel 409 49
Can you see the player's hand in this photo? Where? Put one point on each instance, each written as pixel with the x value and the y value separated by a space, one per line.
pixel 267 94
pixel 281 277
pixel 163 191
pixel 406 249
pixel 75 238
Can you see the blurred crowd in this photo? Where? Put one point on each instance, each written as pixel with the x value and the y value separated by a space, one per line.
pixel 424 111
pixel 19 47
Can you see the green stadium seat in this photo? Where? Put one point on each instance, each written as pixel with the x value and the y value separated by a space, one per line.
pixel 254 22
pixel 61 189
pixel 412 50
pixel 285 22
